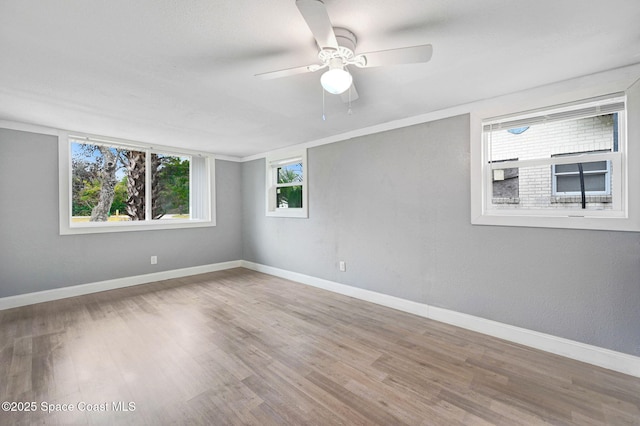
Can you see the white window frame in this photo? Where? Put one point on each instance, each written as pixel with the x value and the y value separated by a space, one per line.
pixel 202 202
pixel 273 162
pixel 625 215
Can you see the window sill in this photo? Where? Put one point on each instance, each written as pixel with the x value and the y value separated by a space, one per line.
pixel 295 213
pixel 131 226
pixel 567 221
pixel 577 199
pixel 505 200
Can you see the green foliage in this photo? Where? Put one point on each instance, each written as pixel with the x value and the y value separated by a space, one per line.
pixel 173 182
pixel 120 198
pixel 290 196
pixel 85 199
pixel 290 173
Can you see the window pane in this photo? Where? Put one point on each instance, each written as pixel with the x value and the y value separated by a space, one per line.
pixel 571 183
pixel 596 176
pixel 567 168
pixel 556 138
pixel 506 184
pixel 99 179
pixel 586 167
pixel 594 166
pixel 170 186
pixel 289 197
pixel 290 173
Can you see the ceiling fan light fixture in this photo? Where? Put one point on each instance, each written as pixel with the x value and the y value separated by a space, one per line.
pixel 336 80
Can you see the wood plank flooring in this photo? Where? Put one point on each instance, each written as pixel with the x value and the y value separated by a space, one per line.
pixel 240 347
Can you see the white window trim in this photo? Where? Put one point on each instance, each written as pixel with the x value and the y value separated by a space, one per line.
pixel 273 161
pixel 65 188
pixel 628 216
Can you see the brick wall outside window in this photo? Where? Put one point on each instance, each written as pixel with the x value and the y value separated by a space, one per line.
pixel 544 141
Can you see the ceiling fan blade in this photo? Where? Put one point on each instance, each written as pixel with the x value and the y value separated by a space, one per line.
pixel 317 18
pixel 283 73
pixel 403 55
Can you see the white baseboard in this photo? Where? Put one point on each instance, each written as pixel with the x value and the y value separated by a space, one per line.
pixel 79 290
pixel 601 357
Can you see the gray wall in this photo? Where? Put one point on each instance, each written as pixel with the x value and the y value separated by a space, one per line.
pixel 34 257
pixel 395 206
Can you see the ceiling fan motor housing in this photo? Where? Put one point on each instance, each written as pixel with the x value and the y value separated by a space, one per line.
pixel 345 52
pixel 345 38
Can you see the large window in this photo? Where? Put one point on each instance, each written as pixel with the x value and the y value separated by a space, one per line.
pixel 286 178
pixel 109 185
pixel 562 166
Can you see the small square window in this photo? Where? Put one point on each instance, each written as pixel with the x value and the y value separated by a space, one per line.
pixel 286 177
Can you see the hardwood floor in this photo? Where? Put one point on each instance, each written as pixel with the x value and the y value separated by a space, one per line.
pixel 240 347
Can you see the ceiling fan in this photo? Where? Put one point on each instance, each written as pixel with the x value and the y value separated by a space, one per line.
pixel 337 51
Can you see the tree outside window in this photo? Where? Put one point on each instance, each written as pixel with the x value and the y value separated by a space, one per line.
pixel 110 183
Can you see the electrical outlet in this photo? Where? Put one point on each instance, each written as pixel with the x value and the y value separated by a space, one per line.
pixel 154 260
pixel 342 265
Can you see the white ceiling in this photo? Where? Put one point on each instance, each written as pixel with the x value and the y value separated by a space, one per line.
pixel 181 73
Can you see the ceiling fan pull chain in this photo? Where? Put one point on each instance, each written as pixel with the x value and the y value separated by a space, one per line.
pixel 350 111
pixel 324 118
